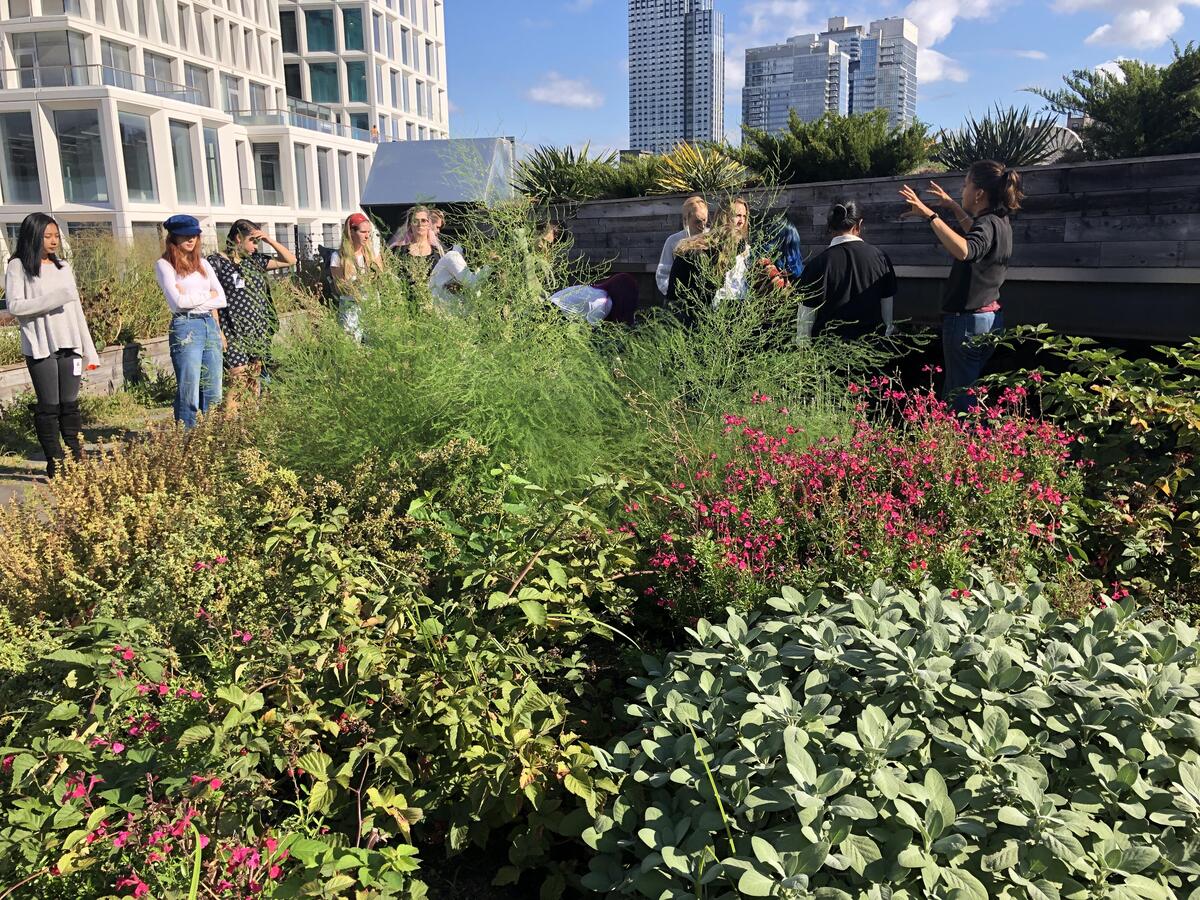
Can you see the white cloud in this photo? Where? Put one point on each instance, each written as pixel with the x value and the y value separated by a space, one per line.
pixel 579 6
pixel 1136 23
pixel 1030 54
pixel 573 93
pixel 934 66
pixel 1113 68
pixel 935 19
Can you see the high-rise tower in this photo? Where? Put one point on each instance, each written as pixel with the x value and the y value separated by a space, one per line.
pixel 676 73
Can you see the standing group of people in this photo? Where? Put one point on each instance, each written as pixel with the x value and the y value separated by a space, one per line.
pixel 223 319
pixel 849 287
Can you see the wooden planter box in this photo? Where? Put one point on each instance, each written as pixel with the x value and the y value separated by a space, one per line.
pixel 119 364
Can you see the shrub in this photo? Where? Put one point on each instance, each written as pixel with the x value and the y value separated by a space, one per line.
pixel 1011 136
pixel 904 744
pixel 634 176
pixel 1145 110
pixel 1138 420
pixel 551 175
pixel 702 170
pixel 912 492
pixel 121 298
pixel 835 148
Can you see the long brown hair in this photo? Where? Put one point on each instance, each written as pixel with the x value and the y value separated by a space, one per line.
pixel 721 237
pixel 1001 184
pixel 183 263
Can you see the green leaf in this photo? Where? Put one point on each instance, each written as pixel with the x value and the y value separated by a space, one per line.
pixel 535 612
pixel 193 735
pixel 799 763
pixel 63 712
pixel 812 858
pixel 872 727
pixel 754 883
pixel 556 572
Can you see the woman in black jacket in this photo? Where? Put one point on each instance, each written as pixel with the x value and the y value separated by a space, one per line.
pixel 854 282
pixel 971 307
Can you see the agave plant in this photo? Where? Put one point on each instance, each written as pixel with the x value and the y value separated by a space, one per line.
pixel 702 170
pixel 1015 137
pixel 560 175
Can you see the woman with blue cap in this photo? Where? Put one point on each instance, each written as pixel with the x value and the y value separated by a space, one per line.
pixel 194 295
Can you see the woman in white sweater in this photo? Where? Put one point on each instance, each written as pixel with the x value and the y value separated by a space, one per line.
pixel 40 292
pixel 194 294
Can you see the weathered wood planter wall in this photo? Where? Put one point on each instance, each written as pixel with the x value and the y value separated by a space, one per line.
pixel 1106 249
pixel 118 364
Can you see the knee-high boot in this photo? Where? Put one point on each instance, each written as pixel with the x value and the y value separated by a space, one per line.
pixel 46 423
pixel 70 422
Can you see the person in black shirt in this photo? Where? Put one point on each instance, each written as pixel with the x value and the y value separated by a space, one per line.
pixel 854 281
pixel 971 299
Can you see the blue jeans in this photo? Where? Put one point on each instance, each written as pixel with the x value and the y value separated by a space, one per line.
pixel 195 346
pixel 966 354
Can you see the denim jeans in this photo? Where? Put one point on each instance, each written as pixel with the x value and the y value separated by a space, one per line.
pixel 195 346
pixel 967 353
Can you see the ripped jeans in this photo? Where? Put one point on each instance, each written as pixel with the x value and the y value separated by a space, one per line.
pixel 195 345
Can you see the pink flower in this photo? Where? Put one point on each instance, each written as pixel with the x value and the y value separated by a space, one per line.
pixel 274 872
pixel 6 766
pixel 196 695
pixel 221 560
pixel 163 689
pixel 143 689
pixel 117 747
pixel 120 840
pixel 215 784
pixel 200 567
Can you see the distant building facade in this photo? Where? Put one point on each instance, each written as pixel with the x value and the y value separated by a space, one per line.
pixel 676 73
pixel 114 114
pixel 847 69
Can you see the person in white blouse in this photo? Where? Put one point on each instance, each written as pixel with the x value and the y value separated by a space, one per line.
pixel 695 222
pixel 40 293
pixel 194 295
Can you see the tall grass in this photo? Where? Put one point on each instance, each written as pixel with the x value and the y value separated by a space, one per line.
pixel 558 399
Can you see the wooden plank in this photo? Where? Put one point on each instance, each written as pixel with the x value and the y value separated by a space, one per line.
pixel 1115 176
pixel 1142 253
pixel 1056 255
pixel 1134 228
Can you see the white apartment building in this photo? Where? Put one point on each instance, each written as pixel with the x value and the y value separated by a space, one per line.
pixel 676 73
pixel 116 114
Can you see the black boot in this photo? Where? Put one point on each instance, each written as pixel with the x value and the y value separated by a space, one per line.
pixel 46 424
pixel 70 422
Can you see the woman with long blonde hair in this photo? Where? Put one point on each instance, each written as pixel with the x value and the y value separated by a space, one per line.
pixel 194 294
pixel 421 248
pixel 355 257
pixel 722 251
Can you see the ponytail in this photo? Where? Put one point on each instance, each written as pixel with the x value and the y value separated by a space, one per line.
pixel 1001 184
pixel 843 217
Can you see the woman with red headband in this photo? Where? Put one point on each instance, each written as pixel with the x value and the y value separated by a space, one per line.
pixel 355 257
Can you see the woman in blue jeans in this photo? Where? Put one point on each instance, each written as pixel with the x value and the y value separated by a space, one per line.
pixel 194 295
pixel 971 307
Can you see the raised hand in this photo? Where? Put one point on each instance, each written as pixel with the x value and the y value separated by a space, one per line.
pixel 916 206
pixel 939 195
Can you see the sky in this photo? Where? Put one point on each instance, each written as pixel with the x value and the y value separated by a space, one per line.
pixel 556 71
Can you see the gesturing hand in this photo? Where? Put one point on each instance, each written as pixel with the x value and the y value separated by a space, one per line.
pixel 916 206
pixel 939 195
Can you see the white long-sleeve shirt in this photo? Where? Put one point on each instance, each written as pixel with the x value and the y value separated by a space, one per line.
pixel 48 312
pixel 200 292
pixel 663 273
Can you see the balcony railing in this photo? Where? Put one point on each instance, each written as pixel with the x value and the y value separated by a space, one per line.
pixel 98 76
pixel 300 114
pixel 252 197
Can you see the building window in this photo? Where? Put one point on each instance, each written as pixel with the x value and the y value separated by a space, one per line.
pixel 116 65
pixel 395 90
pixel 302 199
pixel 231 88
pixel 260 98
pixel 287 26
pixel 352 25
pixel 323 83
pixel 266 167
pixel 18 9
pixel 143 19
pixel 197 82
pixel 404 41
pixel 324 177
pixel 162 22
pixel 212 167
pixel 332 233
pixel 293 81
pixel 377 23
pixel 50 58
pixel 183 25
pixel 319 30
pixel 284 235
pixel 201 32
pixel 185 166
pixel 364 167
pixel 344 179
pixel 356 81
pixel 81 153
pixel 51 8
pixel 158 74
pixel 139 166
pixel 18 159
pixel 360 122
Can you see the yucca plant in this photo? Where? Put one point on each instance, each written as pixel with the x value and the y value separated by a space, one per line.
pixel 1015 137
pixel 560 175
pixel 637 176
pixel 702 170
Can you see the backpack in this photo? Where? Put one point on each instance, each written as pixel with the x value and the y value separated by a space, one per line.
pixel 329 290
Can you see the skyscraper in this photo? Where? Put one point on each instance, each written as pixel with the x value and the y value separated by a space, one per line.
pixel 847 69
pixel 117 113
pixel 676 73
